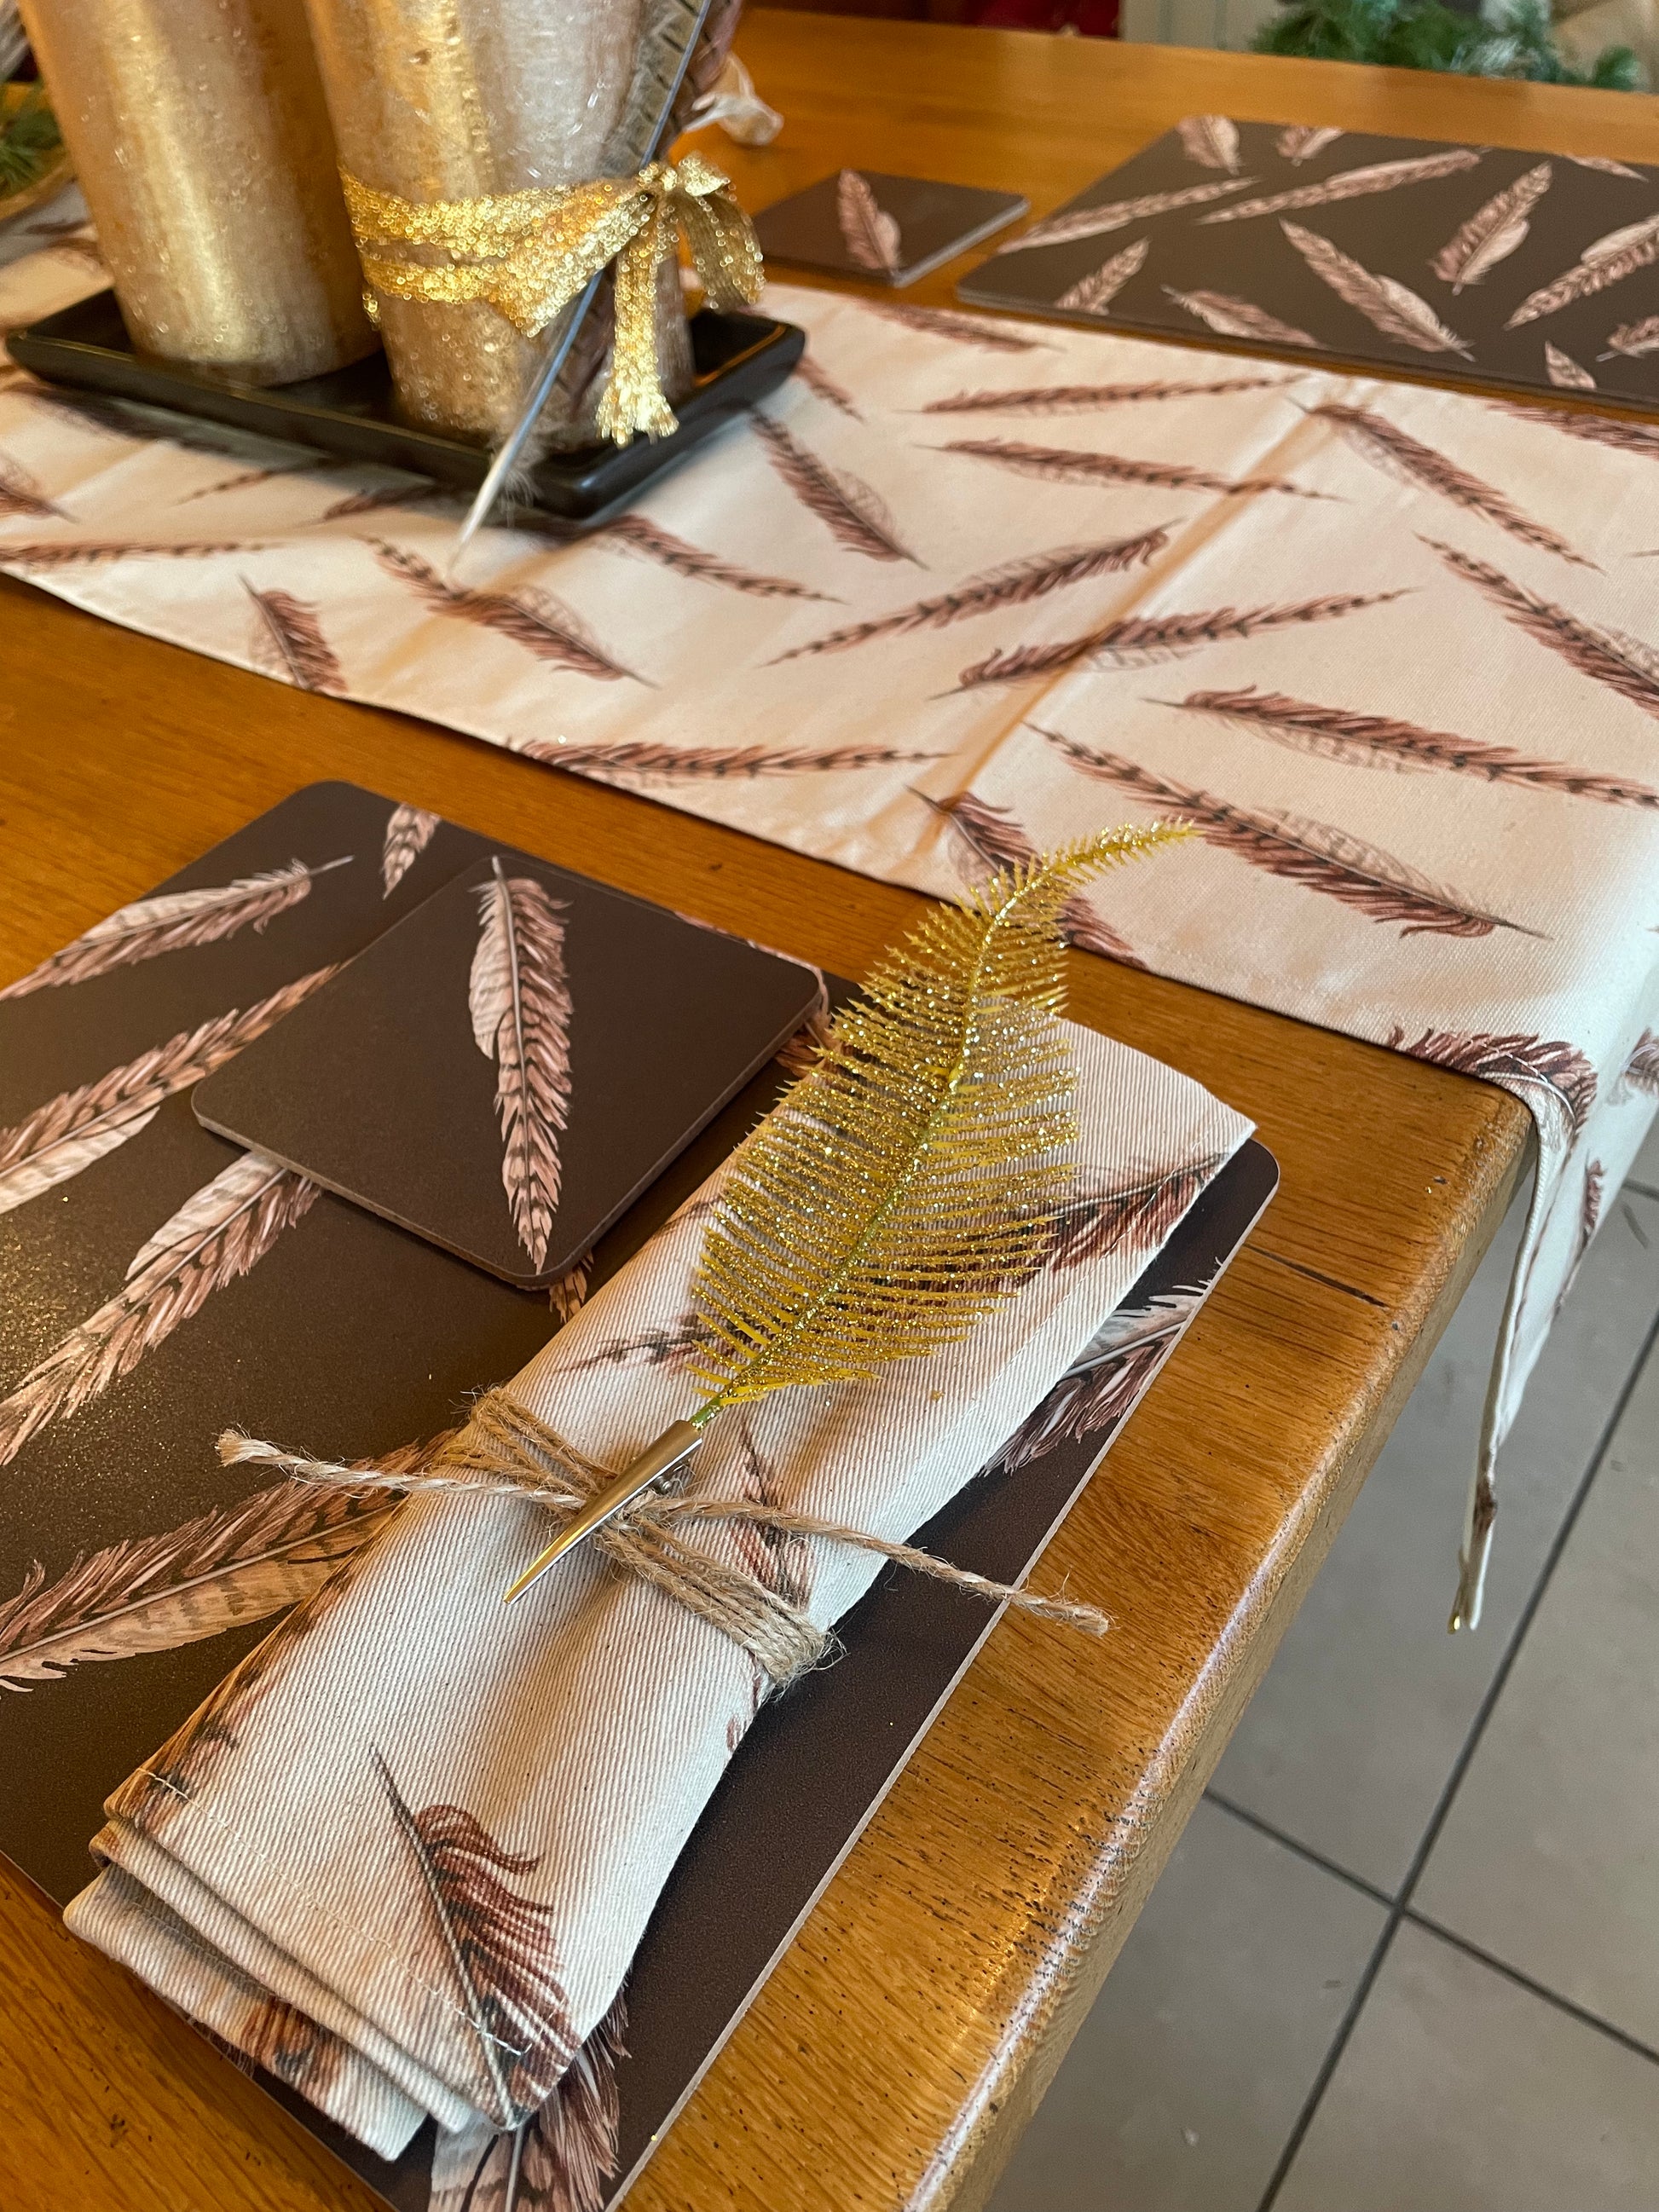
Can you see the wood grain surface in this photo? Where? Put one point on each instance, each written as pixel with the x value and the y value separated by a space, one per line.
pixel 902 2044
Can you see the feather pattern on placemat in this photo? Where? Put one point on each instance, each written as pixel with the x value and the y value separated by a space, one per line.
pixel 1388 304
pixel 408 831
pixel 1115 214
pixel 1211 141
pixel 1605 261
pixel 219 1233
pixel 1633 340
pixel 173 921
pixel 1094 295
pixel 1230 317
pixel 1565 372
pixel 1103 1382
pixel 233 1564
pixel 78 1126
pixel 1351 184
pixel 1493 232
pixel 1299 141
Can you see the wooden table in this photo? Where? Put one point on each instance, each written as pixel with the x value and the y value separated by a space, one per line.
pixel 893 2056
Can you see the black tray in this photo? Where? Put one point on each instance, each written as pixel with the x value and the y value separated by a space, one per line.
pixel 737 359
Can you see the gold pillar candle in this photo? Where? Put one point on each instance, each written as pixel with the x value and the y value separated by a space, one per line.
pixel 199 134
pixel 455 99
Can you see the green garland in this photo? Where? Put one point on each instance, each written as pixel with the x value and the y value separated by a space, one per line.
pixel 29 142
pixel 1424 34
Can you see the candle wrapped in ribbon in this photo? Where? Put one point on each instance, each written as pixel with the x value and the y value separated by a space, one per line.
pixel 463 125
pixel 406 1852
pixel 527 254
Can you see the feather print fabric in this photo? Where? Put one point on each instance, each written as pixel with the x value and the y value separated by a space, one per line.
pixel 1397 645
pixel 984 839
pixel 1319 855
pixel 290 642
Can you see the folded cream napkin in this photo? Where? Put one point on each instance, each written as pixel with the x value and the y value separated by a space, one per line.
pixel 404 1855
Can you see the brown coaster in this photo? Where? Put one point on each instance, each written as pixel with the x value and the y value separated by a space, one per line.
pixel 864 223
pixel 505 1070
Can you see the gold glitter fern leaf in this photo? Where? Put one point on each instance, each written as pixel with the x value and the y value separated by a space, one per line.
pixel 909 1182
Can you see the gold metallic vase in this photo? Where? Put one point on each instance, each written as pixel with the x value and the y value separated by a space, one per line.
pixel 201 141
pixel 455 99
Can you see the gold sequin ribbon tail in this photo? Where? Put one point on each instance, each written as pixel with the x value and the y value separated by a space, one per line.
pixel 529 253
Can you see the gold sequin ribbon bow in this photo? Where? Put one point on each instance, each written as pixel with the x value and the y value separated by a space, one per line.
pixel 529 253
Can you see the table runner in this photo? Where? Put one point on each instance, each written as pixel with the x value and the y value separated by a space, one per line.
pixel 969 586
pixel 404 1855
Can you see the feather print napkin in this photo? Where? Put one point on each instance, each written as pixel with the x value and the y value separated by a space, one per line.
pixel 406 1851
pixel 1390 650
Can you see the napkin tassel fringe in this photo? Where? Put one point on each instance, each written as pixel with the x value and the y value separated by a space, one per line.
pixel 505 1450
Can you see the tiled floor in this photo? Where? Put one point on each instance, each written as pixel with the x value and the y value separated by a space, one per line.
pixel 1406 1958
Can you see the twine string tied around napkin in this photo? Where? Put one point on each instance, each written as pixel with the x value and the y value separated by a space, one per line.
pixel 529 253
pixel 505 1450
